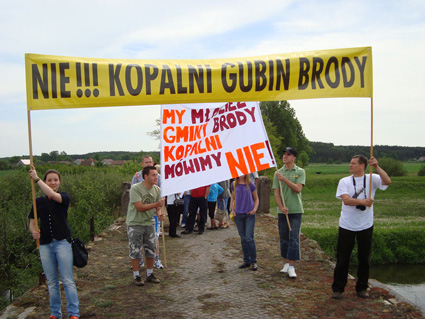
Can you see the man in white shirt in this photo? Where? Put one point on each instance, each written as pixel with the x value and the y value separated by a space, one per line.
pixel 357 221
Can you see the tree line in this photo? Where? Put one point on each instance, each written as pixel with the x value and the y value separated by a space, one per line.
pixel 283 129
pixel 330 153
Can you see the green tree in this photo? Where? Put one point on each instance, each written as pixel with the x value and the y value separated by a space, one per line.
pixel 64 157
pixel 302 159
pixel 282 117
pixel 98 162
pixel 4 165
pixel 45 157
pixel 124 157
pixel 14 160
pixel 54 155
pixel 274 139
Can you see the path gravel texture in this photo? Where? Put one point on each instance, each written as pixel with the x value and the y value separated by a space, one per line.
pixel 202 280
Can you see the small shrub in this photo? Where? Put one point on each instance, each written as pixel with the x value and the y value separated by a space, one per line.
pixel 405 254
pixel 422 171
pixel 326 238
pixel 392 166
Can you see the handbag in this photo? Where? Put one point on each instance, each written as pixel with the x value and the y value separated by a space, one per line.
pixel 220 214
pixel 178 201
pixel 79 252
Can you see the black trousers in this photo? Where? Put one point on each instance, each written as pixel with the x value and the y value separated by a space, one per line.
pixel 194 204
pixel 211 209
pixel 174 216
pixel 345 247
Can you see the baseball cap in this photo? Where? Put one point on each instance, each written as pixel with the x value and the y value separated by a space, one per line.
pixel 292 151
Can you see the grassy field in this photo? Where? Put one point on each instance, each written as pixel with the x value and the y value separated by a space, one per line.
pixel 400 209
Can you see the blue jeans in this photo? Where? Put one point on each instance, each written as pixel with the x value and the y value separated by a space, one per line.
pixel 223 205
pixel 186 199
pixel 290 240
pixel 57 255
pixel 245 224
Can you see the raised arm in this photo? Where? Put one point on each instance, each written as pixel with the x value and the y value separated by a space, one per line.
pixel 386 180
pixel 44 187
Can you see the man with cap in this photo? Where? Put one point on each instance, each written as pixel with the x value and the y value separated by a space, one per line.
pixel 291 179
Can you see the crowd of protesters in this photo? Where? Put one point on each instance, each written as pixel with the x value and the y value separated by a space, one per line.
pixel 233 199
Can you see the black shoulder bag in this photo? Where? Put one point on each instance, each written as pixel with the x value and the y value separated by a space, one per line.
pixel 79 252
pixel 178 201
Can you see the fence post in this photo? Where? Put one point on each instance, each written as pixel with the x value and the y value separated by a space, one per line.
pixel 125 197
pixel 263 193
pixel 92 228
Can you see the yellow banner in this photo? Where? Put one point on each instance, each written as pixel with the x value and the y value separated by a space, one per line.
pixel 55 82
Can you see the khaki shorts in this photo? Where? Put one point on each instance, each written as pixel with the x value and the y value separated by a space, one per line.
pixel 140 237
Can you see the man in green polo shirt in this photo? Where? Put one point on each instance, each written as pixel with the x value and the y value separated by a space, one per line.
pixel 145 202
pixel 291 179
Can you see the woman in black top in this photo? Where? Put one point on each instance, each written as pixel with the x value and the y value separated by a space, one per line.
pixel 55 250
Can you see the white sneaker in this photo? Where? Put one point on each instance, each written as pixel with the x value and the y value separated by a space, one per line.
pixel 291 272
pixel 158 264
pixel 285 268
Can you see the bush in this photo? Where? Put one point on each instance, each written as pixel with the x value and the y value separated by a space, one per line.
pixel 325 237
pixel 4 165
pixel 18 256
pixel 392 166
pixel 422 171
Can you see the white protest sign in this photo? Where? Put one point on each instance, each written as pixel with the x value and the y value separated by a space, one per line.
pixel 203 144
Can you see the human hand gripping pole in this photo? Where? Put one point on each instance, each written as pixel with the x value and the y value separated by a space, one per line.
pixel 34 202
pixel 283 202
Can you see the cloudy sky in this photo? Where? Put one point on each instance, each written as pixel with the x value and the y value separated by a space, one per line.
pixel 212 29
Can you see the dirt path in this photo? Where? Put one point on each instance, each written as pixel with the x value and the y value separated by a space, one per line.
pixel 203 280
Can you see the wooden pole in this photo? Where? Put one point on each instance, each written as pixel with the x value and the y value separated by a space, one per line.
pixel 34 203
pixel 163 238
pixel 371 145
pixel 283 202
